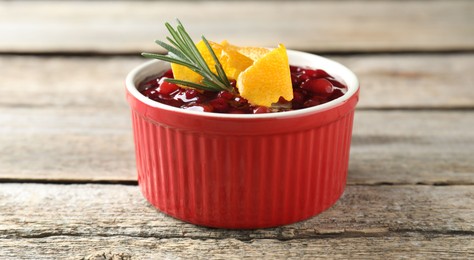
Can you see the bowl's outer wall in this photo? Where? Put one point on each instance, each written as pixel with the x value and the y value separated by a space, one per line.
pixel 242 173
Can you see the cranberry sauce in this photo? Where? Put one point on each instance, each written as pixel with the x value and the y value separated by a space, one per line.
pixel 310 88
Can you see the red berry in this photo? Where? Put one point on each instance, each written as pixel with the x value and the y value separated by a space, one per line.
pixel 295 69
pixel 337 93
pixel 191 93
pixel 151 83
pixel 199 107
pixel 149 91
pixel 225 95
pixel 318 86
pixel 167 88
pixel 303 77
pixel 310 88
pixel 219 105
pixel 261 110
pixel 169 101
pixel 317 73
pixel 207 108
pixel 295 81
pixel 298 97
pixel 336 83
pixel 314 101
pixel 168 74
pixel 233 83
pixel 239 102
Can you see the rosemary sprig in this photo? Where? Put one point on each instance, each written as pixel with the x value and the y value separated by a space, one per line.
pixel 183 51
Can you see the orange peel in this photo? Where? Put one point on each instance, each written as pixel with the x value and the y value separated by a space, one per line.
pixel 262 75
pixel 231 60
pixel 253 53
pixel 267 79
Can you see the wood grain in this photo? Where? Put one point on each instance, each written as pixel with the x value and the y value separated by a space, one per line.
pixel 414 81
pixel 48 210
pixel 87 144
pixel 115 222
pixel 410 246
pixel 329 26
pixel 388 81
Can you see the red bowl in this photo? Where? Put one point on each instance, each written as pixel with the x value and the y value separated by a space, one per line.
pixel 243 171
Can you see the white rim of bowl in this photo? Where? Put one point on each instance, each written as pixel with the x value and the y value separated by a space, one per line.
pixel 297 58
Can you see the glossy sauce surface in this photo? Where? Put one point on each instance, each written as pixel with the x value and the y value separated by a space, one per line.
pixel 311 87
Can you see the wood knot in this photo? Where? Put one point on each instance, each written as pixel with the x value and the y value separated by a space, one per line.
pixel 107 256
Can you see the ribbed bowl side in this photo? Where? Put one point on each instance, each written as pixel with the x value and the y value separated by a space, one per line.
pixel 242 181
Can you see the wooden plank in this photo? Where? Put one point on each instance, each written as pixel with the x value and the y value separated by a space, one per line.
pixel 412 81
pixel 412 246
pixel 88 144
pixel 65 144
pixel 100 222
pixel 330 26
pixel 30 81
pixel 48 210
pixel 412 148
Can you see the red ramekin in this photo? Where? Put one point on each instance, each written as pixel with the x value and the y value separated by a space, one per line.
pixel 243 171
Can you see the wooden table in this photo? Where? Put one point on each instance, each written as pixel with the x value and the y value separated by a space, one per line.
pixel 68 188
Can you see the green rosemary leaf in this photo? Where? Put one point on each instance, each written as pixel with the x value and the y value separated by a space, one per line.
pixel 179 42
pixel 182 51
pixel 222 75
pixel 172 49
pixel 174 43
pixel 209 82
pixel 160 57
pixel 176 37
pixel 196 54
pixel 193 49
pixel 218 65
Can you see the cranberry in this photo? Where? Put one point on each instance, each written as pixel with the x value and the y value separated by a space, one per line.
pixel 168 74
pixel 219 105
pixel 261 110
pixel 317 73
pixel 295 69
pixel 167 88
pixel 152 83
pixel 168 101
pixel 310 88
pixel 233 83
pixel 239 102
pixel 303 77
pixel 191 93
pixel 336 83
pixel 295 80
pixel 199 107
pixel 319 86
pixel 298 98
pixel 313 102
pixel 337 93
pixel 149 91
pixel 225 95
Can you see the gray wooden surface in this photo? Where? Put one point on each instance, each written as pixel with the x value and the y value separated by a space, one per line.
pixel 67 173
